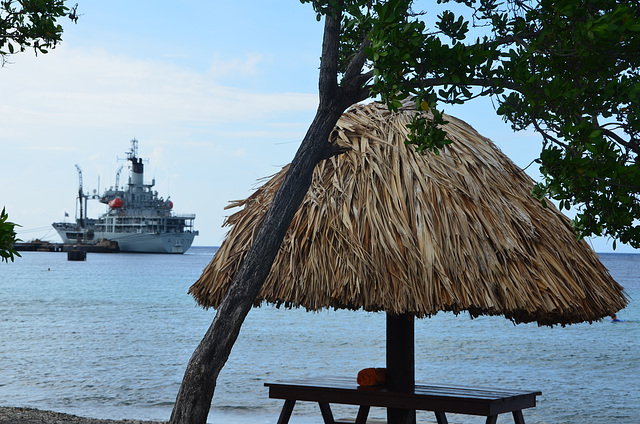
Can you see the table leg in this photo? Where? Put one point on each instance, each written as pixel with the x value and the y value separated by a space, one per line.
pixel 441 417
pixel 363 413
pixel 400 416
pixel 518 418
pixel 327 415
pixel 492 419
pixel 411 417
pixel 287 409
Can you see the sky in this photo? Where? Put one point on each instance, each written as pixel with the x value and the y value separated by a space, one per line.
pixel 219 95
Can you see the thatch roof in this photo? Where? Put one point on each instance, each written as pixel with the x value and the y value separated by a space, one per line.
pixel 385 228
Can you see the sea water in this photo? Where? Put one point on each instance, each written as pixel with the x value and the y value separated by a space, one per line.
pixel 111 337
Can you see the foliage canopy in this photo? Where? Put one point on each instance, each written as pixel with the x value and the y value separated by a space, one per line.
pixel 7 238
pixel 569 69
pixel 31 23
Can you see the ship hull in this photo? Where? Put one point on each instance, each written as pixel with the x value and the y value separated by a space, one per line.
pixel 150 242
pixel 138 242
pixel 71 233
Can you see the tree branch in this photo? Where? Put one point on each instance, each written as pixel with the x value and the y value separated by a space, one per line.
pixel 488 83
pixel 357 61
pixel 631 145
pixel 515 38
pixel 354 80
pixel 328 81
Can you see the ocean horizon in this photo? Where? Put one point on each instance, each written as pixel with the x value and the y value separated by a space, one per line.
pixel 111 337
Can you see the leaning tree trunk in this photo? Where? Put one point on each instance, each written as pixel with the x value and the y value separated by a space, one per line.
pixel 196 392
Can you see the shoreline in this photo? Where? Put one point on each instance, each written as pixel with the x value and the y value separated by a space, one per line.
pixel 18 415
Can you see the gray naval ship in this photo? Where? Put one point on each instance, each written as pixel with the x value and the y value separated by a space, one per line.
pixel 136 217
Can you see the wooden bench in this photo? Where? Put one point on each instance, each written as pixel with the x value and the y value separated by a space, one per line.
pixel 439 399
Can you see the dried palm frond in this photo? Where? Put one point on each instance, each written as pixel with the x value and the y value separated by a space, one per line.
pixel 385 228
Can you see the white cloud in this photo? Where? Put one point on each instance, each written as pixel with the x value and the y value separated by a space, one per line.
pixel 223 67
pixel 50 148
pixel 95 89
pixel 239 152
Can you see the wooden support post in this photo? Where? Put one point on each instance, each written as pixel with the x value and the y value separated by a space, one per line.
pixel 400 363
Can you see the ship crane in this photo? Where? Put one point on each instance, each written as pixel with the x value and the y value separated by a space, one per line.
pixel 118 177
pixel 83 196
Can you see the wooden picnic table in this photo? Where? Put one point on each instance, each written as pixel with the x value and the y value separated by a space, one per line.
pixel 488 402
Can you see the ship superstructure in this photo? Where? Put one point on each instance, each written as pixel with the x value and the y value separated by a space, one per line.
pixel 137 218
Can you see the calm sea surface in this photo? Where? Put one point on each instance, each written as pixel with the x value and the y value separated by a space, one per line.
pixel 110 338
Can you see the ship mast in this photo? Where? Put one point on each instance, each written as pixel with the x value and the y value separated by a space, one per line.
pixel 80 196
pixel 134 149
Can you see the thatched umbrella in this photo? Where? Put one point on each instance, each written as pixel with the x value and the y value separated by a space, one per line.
pixel 384 228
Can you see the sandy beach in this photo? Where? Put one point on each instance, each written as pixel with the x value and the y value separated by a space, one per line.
pixel 11 415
